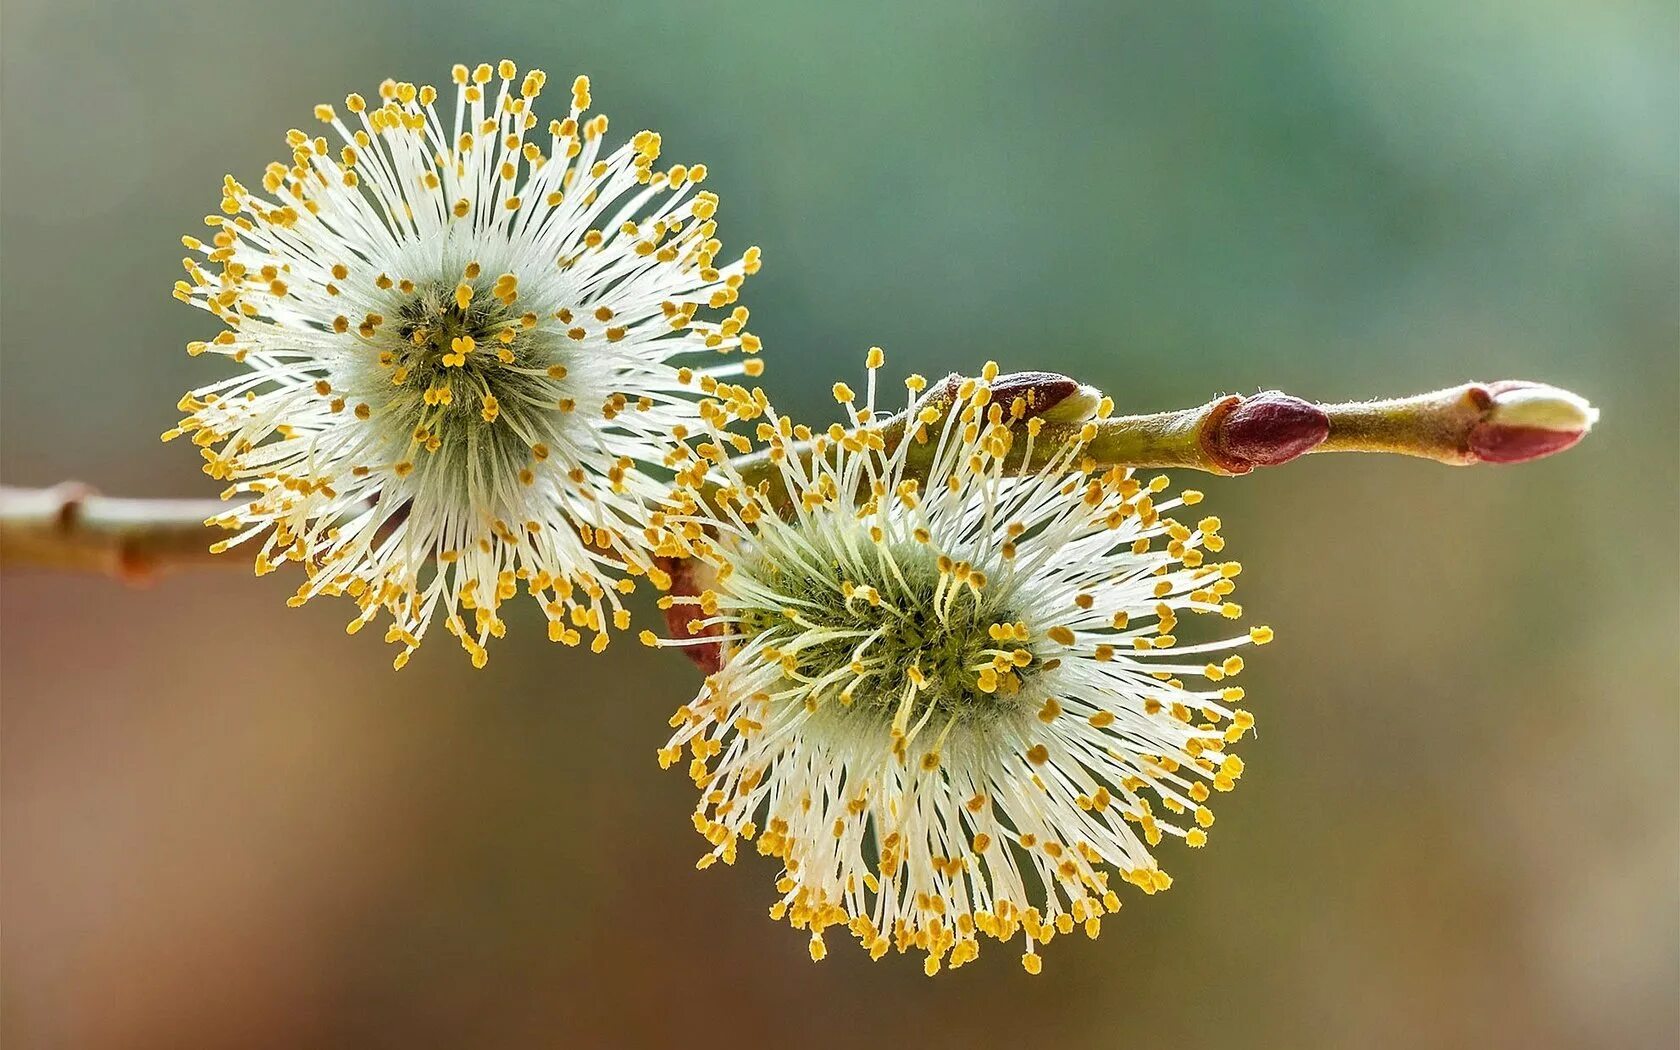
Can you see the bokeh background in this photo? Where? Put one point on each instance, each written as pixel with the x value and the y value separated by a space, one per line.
pixel 227 824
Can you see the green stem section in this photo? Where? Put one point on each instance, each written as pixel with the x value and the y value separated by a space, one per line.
pixel 71 528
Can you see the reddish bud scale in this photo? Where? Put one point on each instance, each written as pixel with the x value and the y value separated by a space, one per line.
pixel 1264 430
pixel 686 582
pixel 1042 391
pixel 1500 443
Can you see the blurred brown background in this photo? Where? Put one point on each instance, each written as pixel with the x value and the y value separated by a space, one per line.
pixel 226 824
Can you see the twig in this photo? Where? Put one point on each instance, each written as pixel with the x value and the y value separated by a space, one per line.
pixel 70 527
pixel 1510 421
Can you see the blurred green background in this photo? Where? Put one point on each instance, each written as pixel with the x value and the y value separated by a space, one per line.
pixel 227 824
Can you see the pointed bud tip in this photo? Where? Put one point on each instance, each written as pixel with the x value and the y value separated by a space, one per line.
pixel 1519 403
pixel 1527 421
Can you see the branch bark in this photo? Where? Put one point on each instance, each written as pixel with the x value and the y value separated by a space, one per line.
pixel 1510 421
pixel 70 527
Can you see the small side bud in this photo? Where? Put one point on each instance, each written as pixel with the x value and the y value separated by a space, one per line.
pixel 1524 421
pixel 1048 395
pixel 1263 430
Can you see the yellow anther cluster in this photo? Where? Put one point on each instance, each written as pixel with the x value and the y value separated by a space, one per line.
pixel 962 646
pixel 433 276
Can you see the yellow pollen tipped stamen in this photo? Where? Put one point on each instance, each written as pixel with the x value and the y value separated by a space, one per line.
pixel 422 396
pixel 896 616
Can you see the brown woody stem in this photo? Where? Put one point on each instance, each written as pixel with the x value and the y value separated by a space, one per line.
pixel 70 527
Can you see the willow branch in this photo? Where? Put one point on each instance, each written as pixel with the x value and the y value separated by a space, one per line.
pixel 70 527
pixel 1511 421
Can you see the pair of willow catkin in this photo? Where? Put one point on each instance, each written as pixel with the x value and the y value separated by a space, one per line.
pixel 952 702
